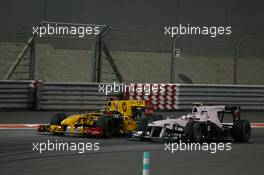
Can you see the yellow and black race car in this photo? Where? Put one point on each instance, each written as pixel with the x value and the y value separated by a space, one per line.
pixel 120 117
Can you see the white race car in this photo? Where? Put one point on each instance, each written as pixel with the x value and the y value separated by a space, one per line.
pixel 204 123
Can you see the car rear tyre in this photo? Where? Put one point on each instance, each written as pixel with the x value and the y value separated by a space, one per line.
pixel 107 125
pixel 241 131
pixel 57 118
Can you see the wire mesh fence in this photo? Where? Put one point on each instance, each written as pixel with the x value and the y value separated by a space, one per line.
pixel 142 56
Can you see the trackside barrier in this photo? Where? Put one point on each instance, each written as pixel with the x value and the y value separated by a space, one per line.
pixel 17 94
pixel 79 96
pixel 162 96
pixel 249 97
pixel 37 95
pixel 184 96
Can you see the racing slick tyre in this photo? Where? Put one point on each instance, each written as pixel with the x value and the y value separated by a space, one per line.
pixel 106 123
pixel 146 120
pixel 188 131
pixel 241 131
pixel 57 118
pixel 193 131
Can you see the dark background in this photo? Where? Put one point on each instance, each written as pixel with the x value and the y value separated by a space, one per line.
pixel 138 24
pixel 137 39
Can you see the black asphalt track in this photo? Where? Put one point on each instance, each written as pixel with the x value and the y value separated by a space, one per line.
pixel 119 155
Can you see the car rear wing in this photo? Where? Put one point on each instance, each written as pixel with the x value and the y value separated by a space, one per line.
pixel 234 110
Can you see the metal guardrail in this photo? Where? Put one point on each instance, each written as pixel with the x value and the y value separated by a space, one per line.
pixel 79 96
pixel 37 95
pixel 16 94
pixel 249 97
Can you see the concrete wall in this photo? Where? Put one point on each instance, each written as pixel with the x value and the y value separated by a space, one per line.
pixel 8 54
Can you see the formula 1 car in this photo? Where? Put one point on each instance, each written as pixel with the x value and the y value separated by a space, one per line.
pixel 120 117
pixel 204 123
